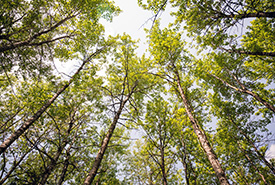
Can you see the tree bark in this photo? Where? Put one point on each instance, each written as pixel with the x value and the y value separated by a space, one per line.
pixel 37 115
pixel 201 135
pixel 89 179
pixel 164 176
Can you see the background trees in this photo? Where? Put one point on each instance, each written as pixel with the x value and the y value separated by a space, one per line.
pixel 203 118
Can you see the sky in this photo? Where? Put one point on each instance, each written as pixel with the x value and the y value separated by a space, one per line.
pixel 132 20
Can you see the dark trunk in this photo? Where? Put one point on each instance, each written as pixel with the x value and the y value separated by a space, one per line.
pixel 105 142
pixel 164 176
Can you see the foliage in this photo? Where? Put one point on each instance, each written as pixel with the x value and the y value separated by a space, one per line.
pixel 162 117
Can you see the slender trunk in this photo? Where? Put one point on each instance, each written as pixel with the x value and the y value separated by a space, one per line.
pixel 244 90
pixel 252 164
pixel 262 157
pixel 105 142
pixel 64 171
pixel 184 158
pixel 164 176
pixel 202 136
pixel 37 115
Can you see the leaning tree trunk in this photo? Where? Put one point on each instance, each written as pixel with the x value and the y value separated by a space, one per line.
pixel 201 135
pixel 38 114
pixel 106 141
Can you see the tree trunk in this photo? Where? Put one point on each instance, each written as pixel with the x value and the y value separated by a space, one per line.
pixel 184 162
pixel 105 142
pixel 201 135
pixel 37 115
pixel 164 176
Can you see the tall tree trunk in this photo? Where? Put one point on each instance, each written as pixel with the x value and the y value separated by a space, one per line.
pixel 201 135
pixel 184 162
pixel 37 115
pixel 105 142
pixel 164 175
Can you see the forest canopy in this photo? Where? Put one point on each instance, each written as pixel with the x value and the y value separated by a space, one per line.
pixel 168 115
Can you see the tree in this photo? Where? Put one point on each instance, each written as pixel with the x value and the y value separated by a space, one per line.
pixel 34 32
pixel 125 86
pixel 31 120
pixel 170 56
pixel 204 120
pixel 159 135
pixel 63 125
